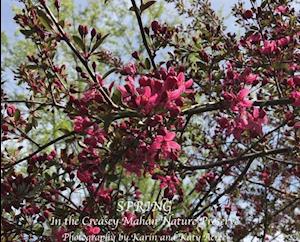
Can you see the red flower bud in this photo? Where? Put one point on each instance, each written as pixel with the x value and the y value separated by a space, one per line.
pixel 57 4
pixel 78 69
pixel 155 26
pixel 93 33
pixel 94 66
pixel 135 55
pixel 248 14
pixel 11 109
pixel 83 30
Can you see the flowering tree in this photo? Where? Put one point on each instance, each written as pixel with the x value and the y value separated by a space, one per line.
pixel 213 127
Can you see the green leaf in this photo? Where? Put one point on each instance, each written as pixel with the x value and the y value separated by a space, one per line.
pixel 17 115
pixel 79 42
pixel 116 97
pixel 132 9
pixel 28 127
pixel 32 67
pixel 62 23
pixel 146 5
pixel 112 178
pixel 38 228
pixel 47 22
pixel 27 32
pixel 147 64
pixel 99 42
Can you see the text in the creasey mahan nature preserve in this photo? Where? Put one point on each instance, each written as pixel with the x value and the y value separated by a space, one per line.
pixel 128 227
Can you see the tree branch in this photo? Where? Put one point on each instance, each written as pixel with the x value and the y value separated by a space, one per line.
pixel 39 150
pixel 240 158
pixel 224 105
pixel 82 60
pixel 229 189
pixel 139 19
pixel 34 102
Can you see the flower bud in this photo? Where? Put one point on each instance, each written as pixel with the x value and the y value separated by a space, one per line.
pixel 78 69
pixel 94 65
pixel 135 55
pixel 83 30
pixel 155 26
pixel 93 32
pixel 248 14
pixel 57 4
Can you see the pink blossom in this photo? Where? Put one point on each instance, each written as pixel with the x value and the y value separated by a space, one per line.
pixel 265 177
pixel 84 176
pixel 250 78
pixel 176 86
pixel 59 234
pixel 245 121
pixel 238 101
pixel 93 230
pixel 129 69
pixel 240 125
pixel 155 25
pixel 146 99
pixel 254 38
pixel 297 125
pixel 11 109
pixel 96 136
pixel 248 14
pixel 295 96
pixel 154 93
pixel 165 144
pixel 81 123
pixel 294 67
pixel 256 120
pixel 204 180
pixel 281 9
pixel 294 81
pixel 170 183
pixel 270 47
pixel 282 42
pixel 105 195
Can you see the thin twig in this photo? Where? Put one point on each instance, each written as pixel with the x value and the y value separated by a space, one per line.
pixel 82 60
pixel 139 19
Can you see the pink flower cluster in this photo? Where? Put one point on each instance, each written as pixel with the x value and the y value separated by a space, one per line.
pixel 295 96
pixel 159 97
pixel 89 97
pixel 146 152
pixel 234 77
pixel 89 158
pixel 90 230
pixel 238 101
pixel 245 122
pixel 205 180
pixel 171 184
pixel 161 92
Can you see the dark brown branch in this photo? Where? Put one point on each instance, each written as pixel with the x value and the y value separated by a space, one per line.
pixel 23 134
pixel 40 149
pixel 273 215
pixel 228 190
pixel 224 105
pixel 214 185
pixel 33 102
pixel 139 19
pixel 241 158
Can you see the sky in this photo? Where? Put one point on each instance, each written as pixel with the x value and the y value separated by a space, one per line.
pixel 9 27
